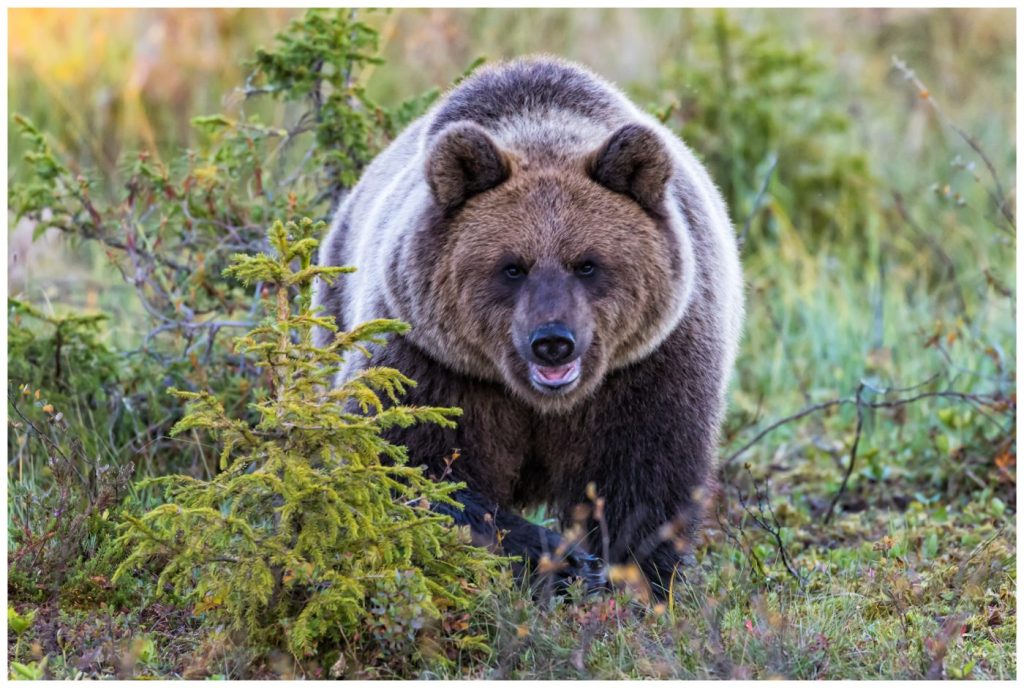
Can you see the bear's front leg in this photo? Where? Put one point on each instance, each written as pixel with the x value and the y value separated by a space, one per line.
pixel 652 457
pixel 544 556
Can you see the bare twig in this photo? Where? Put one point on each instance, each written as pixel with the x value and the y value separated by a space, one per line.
pixel 98 235
pixel 846 401
pixel 769 523
pixel 748 552
pixel 999 196
pixel 53 445
pixel 814 408
pixel 853 455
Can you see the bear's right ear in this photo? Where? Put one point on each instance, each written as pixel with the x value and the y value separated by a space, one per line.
pixel 634 162
pixel 464 162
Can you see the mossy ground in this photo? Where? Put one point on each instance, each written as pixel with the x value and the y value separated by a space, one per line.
pixel 918 593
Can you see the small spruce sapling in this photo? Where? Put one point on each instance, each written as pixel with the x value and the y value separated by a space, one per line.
pixel 315 529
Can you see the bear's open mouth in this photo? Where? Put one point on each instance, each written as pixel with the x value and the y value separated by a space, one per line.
pixel 555 377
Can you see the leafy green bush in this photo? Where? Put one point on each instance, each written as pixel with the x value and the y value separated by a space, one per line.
pixel 752 103
pixel 59 522
pixel 172 230
pixel 62 363
pixel 68 393
pixel 97 410
pixel 315 531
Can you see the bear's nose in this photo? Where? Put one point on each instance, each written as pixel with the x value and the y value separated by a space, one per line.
pixel 553 343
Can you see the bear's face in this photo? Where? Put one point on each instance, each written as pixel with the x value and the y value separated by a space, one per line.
pixel 551 277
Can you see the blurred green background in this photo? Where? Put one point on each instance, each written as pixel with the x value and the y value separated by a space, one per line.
pixel 109 80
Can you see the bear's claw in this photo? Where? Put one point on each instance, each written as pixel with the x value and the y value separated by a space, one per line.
pixel 577 564
pixel 589 568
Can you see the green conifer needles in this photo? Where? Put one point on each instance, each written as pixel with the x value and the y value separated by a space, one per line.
pixel 315 530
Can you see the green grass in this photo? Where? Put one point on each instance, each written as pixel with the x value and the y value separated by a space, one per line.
pixel 866 613
pixel 881 603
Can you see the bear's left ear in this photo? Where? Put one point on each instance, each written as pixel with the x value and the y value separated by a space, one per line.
pixel 463 162
pixel 633 162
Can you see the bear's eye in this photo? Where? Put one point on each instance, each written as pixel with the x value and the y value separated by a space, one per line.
pixel 586 269
pixel 513 271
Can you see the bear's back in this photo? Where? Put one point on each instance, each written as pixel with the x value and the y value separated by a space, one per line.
pixel 542 108
pixel 526 87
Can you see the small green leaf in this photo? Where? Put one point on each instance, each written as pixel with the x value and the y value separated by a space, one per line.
pixel 211 123
pixel 146 649
pixel 930 547
pixel 19 623
pixel 33 671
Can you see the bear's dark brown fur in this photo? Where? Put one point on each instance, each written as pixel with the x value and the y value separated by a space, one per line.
pixel 573 284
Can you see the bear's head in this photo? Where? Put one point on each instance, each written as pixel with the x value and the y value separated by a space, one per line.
pixel 550 275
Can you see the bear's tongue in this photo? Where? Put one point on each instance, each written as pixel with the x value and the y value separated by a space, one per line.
pixel 557 375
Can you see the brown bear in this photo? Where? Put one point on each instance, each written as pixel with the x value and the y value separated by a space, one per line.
pixel 572 281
